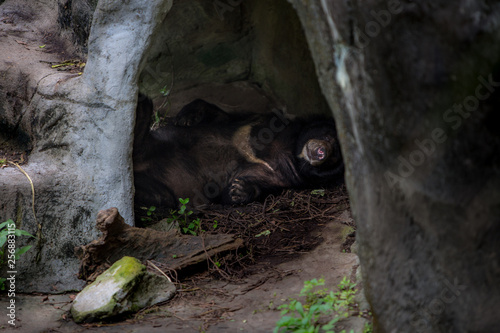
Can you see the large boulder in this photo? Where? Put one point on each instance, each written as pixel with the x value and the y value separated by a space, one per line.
pixel 415 90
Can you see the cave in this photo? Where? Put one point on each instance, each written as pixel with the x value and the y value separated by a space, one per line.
pixel 250 56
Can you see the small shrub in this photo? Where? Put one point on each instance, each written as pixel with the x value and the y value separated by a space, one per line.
pixel 182 217
pixel 320 305
pixel 149 214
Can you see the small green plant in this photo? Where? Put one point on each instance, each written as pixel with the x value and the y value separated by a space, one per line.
pixel 319 192
pixel 7 229
pixel 165 91
pixel 215 225
pixel 263 233
pixel 194 227
pixel 149 214
pixel 368 328
pixel 160 118
pixel 320 306
pixel 182 217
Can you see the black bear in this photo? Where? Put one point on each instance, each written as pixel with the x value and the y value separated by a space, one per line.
pixel 209 155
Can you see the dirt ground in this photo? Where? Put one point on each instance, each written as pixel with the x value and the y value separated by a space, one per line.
pixel 242 292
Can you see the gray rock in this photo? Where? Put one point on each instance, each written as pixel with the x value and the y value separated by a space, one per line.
pixel 79 129
pixel 408 84
pixel 125 287
pixel 355 247
pixel 360 297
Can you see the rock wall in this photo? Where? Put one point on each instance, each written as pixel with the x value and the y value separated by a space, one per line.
pixel 256 42
pixel 79 128
pixel 415 90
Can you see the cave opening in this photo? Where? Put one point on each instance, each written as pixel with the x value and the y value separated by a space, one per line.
pixel 252 57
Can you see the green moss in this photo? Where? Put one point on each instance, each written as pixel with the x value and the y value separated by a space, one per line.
pixel 125 269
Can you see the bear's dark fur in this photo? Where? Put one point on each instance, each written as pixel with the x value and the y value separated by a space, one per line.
pixel 208 155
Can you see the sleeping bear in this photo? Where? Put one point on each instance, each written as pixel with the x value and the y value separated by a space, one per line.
pixel 211 156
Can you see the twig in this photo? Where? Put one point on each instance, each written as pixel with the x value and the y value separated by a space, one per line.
pixel 159 270
pixel 32 188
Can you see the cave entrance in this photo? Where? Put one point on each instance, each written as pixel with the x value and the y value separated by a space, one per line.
pixel 241 55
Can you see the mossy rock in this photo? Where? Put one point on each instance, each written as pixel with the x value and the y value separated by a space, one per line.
pixel 101 299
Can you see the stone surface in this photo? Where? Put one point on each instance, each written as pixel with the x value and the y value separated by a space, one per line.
pixel 78 128
pixel 258 42
pixel 125 287
pixel 417 120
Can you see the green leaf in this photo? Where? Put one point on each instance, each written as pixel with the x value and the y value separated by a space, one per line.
pixel 299 308
pixel 3 224
pixel 318 192
pixel 3 239
pixel 22 233
pixel 21 251
pixel 263 233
